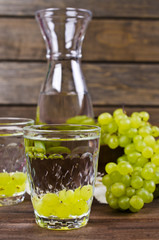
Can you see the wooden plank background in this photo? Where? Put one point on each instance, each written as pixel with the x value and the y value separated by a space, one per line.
pixel 120 55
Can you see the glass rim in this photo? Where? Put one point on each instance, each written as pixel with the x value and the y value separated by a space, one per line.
pixel 86 129
pixel 15 121
pixel 81 11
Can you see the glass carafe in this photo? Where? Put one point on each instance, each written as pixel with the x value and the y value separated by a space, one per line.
pixel 64 93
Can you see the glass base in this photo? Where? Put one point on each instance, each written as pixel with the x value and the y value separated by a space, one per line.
pixel 11 200
pixel 61 224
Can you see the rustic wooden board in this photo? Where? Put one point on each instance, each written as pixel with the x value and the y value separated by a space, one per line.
pixel 30 111
pixel 102 8
pixel 106 40
pixel 108 84
pixel 17 222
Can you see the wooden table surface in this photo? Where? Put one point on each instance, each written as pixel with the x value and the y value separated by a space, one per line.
pixel 17 222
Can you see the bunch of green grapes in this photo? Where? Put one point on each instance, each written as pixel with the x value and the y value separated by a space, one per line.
pixel 131 181
pixel 64 204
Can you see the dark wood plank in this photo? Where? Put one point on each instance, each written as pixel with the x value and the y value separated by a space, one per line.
pixel 108 84
pixel 30 111
pixel 106 40
pixel 102 8
pixel 17 222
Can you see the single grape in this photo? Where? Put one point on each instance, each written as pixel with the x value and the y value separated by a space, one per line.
pixel 145 131
pixel 125 168
pixel 137 182
pixel 126 180
pixel 144 115
pixel 106 180
pixel 147 152
pixel 112 127
pixel 115 176
pixel 155 131
pixel 147 173
pixel 129 148
pixel 155 159
pixel 124 141
pixel 105 118
pixel 123 202
pixel 136 202
pixel 133 156
pixel 86 192
pixel 110 167
pixel 130 191
pixel 113 142
pixel 135 121
pixel 149 185
pixel 118 189
pixel 132 132
pixel 150 141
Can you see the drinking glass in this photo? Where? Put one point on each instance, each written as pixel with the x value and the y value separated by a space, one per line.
pixel 12 160
pixel 61 167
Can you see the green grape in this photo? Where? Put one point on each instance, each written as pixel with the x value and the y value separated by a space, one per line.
pixel 134 210
pixel 86 192
pixel 155 131
pixel 113 142
pixel 110 167
pixel 39 146
pixel 112 127
pixel 80 208
pixel 58 150
pixel 118 111
pixel 145 195
pixel 137 171
pixel 124 141
pixel 62 195
pixel 144 115
pixel 145 131
pixel 77 119
pixel 156 148
pixel 137 138
pixel 115 176
pixel 149 185
pixel 155 159
pixel 150 141
pixel 136 182
pixel 141 161
pixel 105 118
pixel 147 173
pixel 135 121
pixel 133 156
pixel 130 191
pixel 118 189
pixel 78 193
pixel 70 197
pixel 126 180
pixel 106 180
pixel 140 145
pixel 156 177
pixel 122 159
pixel 123 202
pixel 113 201
pixel 106 138
pixel 132 132
pixel 136 202
pixel 125 168
pixel 147 152
pixel 129 148
pixel 124 124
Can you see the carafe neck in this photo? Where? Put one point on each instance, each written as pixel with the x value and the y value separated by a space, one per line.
pixel 63 31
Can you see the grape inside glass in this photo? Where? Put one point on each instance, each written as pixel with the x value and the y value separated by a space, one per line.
pixel 12 160
pixel 61 166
